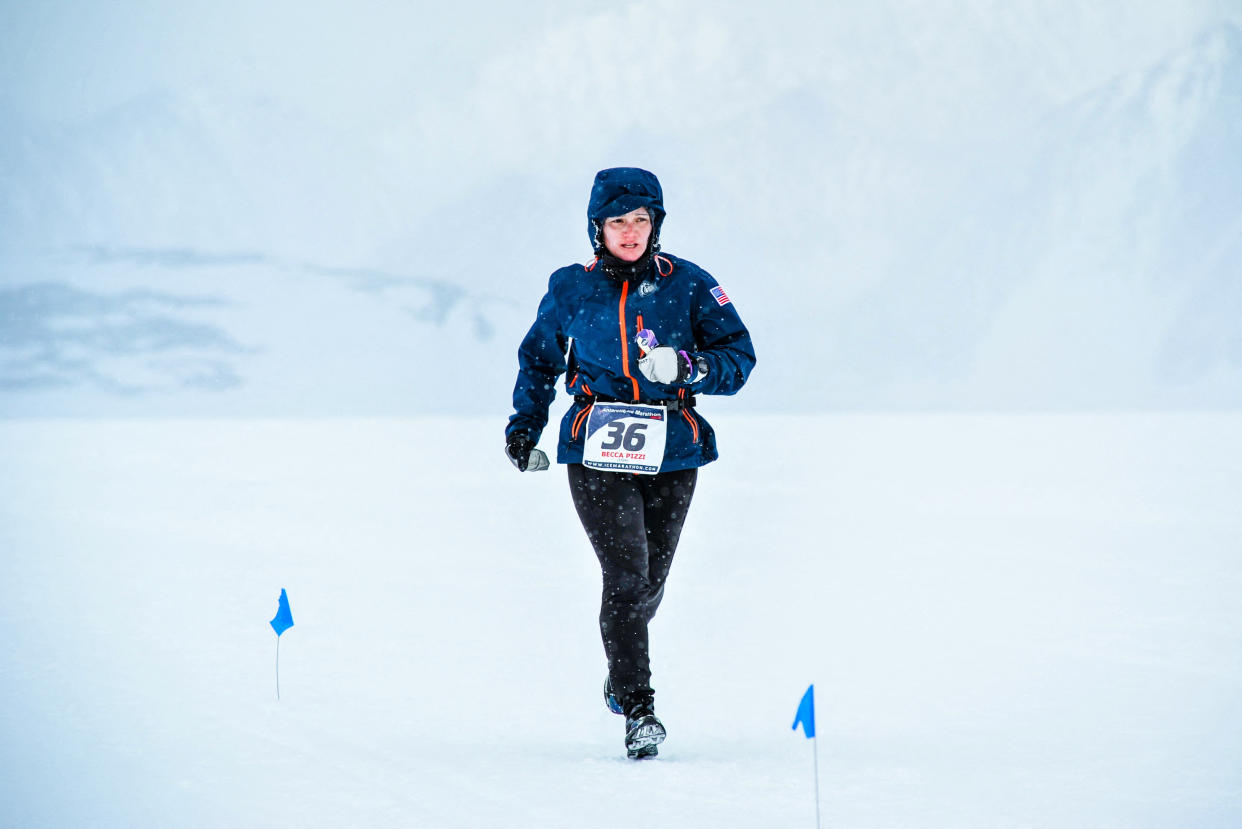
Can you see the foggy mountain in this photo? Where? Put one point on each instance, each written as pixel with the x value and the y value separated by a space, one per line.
pixel 901 227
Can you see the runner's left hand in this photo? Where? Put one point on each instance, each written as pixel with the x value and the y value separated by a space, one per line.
pixel 665 365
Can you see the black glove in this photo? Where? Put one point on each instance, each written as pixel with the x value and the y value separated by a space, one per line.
pixel 517 447
pixel 523 454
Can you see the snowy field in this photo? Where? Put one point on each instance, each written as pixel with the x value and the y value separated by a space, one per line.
pixel 1011 621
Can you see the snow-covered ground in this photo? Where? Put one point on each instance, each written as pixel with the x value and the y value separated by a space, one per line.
pixel 1011 621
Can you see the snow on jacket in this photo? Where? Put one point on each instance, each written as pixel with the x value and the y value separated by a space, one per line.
pixel 585 329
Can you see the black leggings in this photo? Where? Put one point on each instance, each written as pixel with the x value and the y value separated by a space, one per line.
pixel 633 522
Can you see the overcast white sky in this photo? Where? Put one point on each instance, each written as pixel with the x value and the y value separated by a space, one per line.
pixel 64 60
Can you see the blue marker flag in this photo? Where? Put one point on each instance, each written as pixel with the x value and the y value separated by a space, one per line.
pixel 284 619
pixel 806 713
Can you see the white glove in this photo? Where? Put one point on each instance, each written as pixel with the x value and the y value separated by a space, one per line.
pixel 665 365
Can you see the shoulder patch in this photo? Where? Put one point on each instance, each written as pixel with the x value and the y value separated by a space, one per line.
pixel 721 297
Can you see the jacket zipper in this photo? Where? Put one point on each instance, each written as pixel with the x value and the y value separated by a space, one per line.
pixel 625 340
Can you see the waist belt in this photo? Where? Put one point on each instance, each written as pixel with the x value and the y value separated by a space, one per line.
pixel 675 405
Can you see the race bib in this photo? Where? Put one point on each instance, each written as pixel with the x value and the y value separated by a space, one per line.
pixel 625 437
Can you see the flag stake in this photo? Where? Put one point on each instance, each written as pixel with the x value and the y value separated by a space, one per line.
pixel 815 750
pixel 282 622
pixel 806 718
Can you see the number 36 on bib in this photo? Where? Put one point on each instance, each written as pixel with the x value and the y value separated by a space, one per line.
pixel 625 437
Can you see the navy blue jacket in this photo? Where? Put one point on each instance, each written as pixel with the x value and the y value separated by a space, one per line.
pixel 585 329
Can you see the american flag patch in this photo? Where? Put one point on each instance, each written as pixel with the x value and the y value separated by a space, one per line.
pixel 721 297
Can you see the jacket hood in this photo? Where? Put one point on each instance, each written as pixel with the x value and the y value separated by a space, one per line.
pixel 619 190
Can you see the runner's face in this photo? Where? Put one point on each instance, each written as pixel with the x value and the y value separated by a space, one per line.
pixel 626 236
